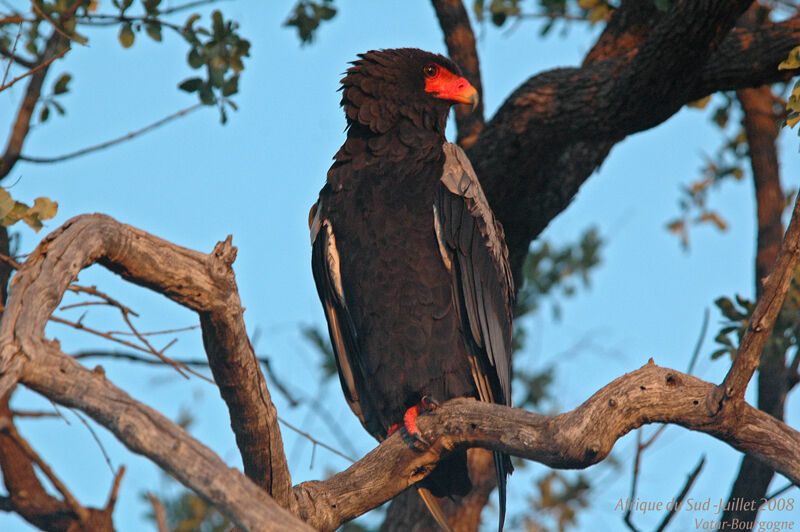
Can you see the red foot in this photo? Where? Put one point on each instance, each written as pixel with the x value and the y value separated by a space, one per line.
pixel 426 404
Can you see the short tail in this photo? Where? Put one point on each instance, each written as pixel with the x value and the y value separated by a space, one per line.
pixel 434 508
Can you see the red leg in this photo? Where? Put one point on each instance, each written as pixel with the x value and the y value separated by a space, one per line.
pixel 426 404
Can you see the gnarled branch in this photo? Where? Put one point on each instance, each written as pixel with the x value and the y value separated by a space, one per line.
pixel 198 281
pixel 575 439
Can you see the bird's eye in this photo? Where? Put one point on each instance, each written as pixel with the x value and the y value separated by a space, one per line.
pixel 431 70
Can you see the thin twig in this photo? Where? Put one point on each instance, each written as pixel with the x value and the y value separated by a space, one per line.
pixel 5 52
pixel 159 512
pixel 158 333
pixel 642 445
pixel 34 70
pixel 699 343
pixel 188 5
pixel 178 367
pixel 780 491
pixel 101 19
pixel 679 499
pixel 634 481
pixel 93 291
pixel 33 413
pixel 80 39
pixel 96 438
pixel 10 261
pixel 763 318
pixel 13 50
pixel 109 143
pixel 314 440
pixel 112 495
pixel 316 405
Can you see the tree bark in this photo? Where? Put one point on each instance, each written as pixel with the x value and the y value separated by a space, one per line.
pixel 557 128
pixel 754 476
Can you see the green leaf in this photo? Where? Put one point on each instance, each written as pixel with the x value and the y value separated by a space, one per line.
pixel 44 114
pixel 792 61
pixel 720 352
pixel 231 86
pixel 151 6
pixel 207 95
pixel 45 208
pixel 190 22
pixel 6 202
pixel 195 60
pixel 61 84
pixel 58 107
pixel 126 36
pixel 191 85
pixel 218 23
pixel 325 12
pixel 153 29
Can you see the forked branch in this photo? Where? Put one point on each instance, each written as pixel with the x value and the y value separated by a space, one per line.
pixel 205 283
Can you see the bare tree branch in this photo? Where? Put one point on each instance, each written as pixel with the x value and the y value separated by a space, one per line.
pixel 204 283
pixel 29 498
pixel 682 495
pixel 572 440
pixel 159 512
pixel 575 439
pixel 763 318
pixel 754 478
pixel 33 70
pixel 555 130
pixel 19 130
pixel 112 142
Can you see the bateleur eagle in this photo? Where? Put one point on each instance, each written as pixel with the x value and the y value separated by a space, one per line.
pixel 409 261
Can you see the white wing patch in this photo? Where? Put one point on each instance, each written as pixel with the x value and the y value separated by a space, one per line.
pixel 446 255
pixel 332 257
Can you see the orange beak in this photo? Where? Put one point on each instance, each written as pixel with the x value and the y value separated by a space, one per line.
pixel 448 86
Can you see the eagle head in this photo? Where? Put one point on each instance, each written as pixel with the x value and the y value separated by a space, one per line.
pixel 386 87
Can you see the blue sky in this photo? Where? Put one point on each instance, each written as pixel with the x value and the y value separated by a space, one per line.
pixel 193 182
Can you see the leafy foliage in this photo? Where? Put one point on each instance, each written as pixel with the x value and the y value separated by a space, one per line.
pixel 221 53
pixel 12 211
pixel 501 11
pixel 549 269
pixel 785 333
pixel 728 163
pixel 793 103
pixel 560 498
pixel 187 512
pixel 307 15
pixel 61 86
pixel 219 48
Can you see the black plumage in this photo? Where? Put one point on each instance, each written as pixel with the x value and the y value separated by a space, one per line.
pixel 409 261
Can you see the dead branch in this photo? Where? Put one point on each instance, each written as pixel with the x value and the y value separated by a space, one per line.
pixel 31 500
pixel 690 479
pixel 112 142
pixel 159 512
pixel 204 283
pixel 763 318
pixel 34 70
pixel 19 130
pixel 11 56
pixel 572 440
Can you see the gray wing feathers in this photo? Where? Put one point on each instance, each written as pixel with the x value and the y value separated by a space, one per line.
pixel 483 278
pixel 344 338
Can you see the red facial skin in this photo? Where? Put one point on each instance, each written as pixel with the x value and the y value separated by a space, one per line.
pixel 445 85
